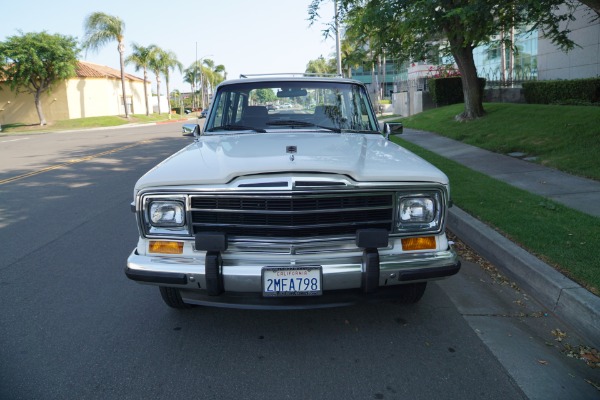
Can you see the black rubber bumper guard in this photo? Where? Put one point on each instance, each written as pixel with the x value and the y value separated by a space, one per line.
pixel 213 243
pixel 370 240
pixel 216 242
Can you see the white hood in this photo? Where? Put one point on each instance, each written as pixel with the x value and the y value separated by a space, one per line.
pixel 216 160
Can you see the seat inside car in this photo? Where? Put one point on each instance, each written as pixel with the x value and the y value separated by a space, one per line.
pixel 255 116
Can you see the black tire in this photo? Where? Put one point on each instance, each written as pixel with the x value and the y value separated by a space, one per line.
pixel 412 293
pixel 172 298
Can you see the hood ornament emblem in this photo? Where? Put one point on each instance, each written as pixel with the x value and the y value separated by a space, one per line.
pixel 291 150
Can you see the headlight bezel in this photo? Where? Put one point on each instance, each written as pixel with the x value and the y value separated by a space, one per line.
pixel 152 227
pixel 427 216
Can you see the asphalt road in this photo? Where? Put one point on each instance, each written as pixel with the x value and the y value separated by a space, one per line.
pixel 72 326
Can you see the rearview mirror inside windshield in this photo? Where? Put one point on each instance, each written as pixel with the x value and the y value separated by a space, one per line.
pixel 289 92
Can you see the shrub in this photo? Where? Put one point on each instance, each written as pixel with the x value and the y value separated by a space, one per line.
pixel 576 91
pixel 446 91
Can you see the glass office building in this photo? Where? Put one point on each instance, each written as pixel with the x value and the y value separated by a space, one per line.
pixel 503 66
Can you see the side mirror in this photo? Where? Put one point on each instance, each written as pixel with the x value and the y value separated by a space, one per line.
pixel 193 129
pixel 392 128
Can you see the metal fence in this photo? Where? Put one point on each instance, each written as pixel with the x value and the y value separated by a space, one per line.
pixel 493 76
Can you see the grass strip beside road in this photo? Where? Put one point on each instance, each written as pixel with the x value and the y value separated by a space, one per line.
pixel 562 237
pixel 86 123
pixel 562 137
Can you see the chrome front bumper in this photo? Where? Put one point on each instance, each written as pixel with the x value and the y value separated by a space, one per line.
pixel 344 274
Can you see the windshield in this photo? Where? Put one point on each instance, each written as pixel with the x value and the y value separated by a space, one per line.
pixel 273 106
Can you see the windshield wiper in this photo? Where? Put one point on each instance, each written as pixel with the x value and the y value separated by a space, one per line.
pixel 233 127
pixel 361 131
pixel 294 123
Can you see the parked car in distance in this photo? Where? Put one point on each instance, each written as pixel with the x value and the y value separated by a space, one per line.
pixel 307 207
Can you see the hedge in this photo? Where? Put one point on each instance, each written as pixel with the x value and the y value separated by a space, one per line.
pixel 562 91
pixel 446 91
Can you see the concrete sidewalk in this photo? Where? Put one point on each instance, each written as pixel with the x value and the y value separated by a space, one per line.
pixel 568 300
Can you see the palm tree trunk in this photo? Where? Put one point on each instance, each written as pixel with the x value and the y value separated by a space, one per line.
pixel 158 91
pixel 168 96
pixel 146 91
pixel 122 63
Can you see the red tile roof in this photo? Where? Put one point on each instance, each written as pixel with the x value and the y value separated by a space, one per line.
pixel 90 70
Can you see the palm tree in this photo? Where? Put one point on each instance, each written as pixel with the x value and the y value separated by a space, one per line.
pixel 101 28
pixel 352 56
pixel 214 74
pixel 141 57
pixel 193 76
pixel 157 65
pixel 170 63
pixel 189 76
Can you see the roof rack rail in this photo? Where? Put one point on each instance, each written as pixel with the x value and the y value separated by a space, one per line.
pixel 293 74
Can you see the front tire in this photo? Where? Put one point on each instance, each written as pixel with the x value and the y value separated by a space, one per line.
pixel 412 293
pixel 172 298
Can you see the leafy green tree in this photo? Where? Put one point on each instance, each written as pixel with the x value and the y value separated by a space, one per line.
pixel 100 29
pixel 417 29
pixel 264 96
pixel 321 66
pixel 353 55
pixel 35 62
pixel 140 58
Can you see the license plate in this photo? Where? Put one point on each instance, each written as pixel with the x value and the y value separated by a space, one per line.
pixel 286 281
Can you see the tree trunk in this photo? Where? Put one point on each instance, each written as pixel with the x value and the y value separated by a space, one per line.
pixel 158 91
pixel 168 96
pixel 122 63
pixel 38 106
pixel 146 91
pixel 468 74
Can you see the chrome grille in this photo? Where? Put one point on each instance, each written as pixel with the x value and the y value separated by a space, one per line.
pixel 291 215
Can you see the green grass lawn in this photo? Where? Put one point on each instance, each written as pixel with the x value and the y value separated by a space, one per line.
pixel 567 239
pixel 562 137
pixel 83 123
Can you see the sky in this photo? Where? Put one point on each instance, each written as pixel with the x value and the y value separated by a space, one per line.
pixel 246 36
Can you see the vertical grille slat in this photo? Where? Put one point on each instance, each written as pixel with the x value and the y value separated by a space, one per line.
pixel 291 215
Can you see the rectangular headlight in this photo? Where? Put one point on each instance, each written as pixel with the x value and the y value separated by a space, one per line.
pixel 166 213
pixel 418 212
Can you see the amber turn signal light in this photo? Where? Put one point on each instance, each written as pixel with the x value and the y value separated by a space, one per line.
pixel 419 243
pixel 165 247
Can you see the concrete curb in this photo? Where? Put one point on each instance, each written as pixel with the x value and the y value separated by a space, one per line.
pixel 568 300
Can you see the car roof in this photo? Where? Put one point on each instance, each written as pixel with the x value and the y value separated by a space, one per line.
pixel 288 78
